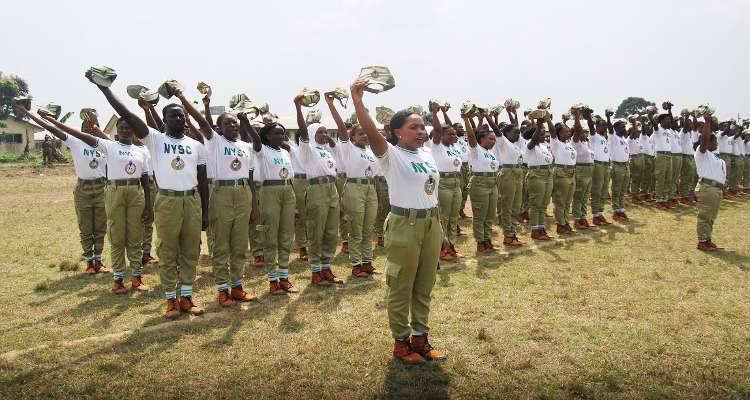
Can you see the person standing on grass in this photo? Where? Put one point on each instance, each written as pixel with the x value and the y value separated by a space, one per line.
pixel 600 146
pixel 300 186
pixel 564 179
pixel 126 196
pixel 663 162
pixel 647 186
pixel 712 175
pixel 688 139
pixel 153 120
pixel 358 198
pixel 676 149
pixel 637 161
pixel 180 214
pixel 539 159
pixel 483 183
pixel 738 155
pixel 88 195
pixel 620 170
pixel 448 160
pixel 583 173
pixel 321 198
pixel 412 228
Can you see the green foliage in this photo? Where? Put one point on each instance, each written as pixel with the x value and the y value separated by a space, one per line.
pixel 10 87
pixel 632 105
pixel 33 158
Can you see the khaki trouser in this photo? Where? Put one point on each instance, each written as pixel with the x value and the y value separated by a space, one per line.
pixel 563 188
pixel 323 213
pixel 709 200
pixel 736 177
pixel 229 213
pixel 511 193
pixel 598 187
pixel 300 186
pixel 178 226
pixel 88 199
pixel 360 203
pixel 728 165
pixel 746 172
pixel 254 234
pixel 525 190
pixel 148 224
pixel 210 227
pixel 277 225
pixel 344 227
pixel 687 177
pixel 675 176
pixel 539 182
pixel 465 177
pixel 124 206
pixel 384 205
pixel 582 190
pixel 412 247
pixel 662 173
pixel 649 175
pixel 637 166
pixel 620 174
pixel 483 194
pixel 449 200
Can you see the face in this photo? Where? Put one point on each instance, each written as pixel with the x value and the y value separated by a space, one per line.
pixel 513 135
pixel 620 129
pixel 321 135
pixel 565 133
pixel 713 143
pixel 275 136
pixel 230 126
pixel 359 137
pixel 666 122
pixel 124 131
pixel 488 141
pixel 449 136
pixel 175 119
pixel 601 127
pixel 459 129
pixel 412 134
pixel 689 125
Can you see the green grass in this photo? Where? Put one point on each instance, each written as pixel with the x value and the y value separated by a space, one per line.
pixel 628 311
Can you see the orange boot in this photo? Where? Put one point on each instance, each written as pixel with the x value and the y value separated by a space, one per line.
pixel 173 309
pixel 421 346
pixel 402 351
pixel 287 286
pixel 187 306
pixel 224 299
pixel 275 289
pixel 136 283
pixel 237 294
pixel 328 275
pixel 118 287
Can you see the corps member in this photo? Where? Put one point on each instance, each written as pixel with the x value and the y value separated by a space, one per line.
pixel 563 185
pixel 321 198
pixel 300 185
pixel 688 139
pixel 712 173
pixel 583 174
pixel 412 228
pixel 539 180
pixel 620 171
pixel 600 146
pixel 181 206
pixel 483 183
pixel 661 138
pixel 88 195
pixel 637 161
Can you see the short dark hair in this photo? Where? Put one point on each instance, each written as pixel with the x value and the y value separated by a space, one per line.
pixel 263 132
pixel 171 105
pixel 399 119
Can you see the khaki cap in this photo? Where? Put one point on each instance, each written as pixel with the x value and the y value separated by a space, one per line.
pixel 103 75
pixel 379 78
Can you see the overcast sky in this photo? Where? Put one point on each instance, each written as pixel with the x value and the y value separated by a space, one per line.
pixel 689 51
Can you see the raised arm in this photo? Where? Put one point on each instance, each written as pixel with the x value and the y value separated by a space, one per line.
pixel 471 137
pixel 152 118
pixel 512 116
pixel 590 123
pixel 139 127
pixel 39 121
pixel 610 128
pixel 437 129
pixel 205 128
pixel 207 110
pixel 192 131
pixel 96 131
pixel 705 139
pixel 377 142
pixel 84 137
pixel 340 125
pixel 247 130
pixel 447 119
pixel 495 127
pixel 538 134
pixel 301 123
pixel 577 128
pixel 551 126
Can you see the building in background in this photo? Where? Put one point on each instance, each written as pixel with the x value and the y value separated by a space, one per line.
pixel 15 135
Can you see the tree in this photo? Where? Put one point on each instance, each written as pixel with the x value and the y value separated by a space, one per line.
pixel 632 105
pixel 11 86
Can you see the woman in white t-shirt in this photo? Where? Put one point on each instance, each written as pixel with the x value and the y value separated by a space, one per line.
pixel 712 172
pixel 539 159
pixel 412 229
pixel 565 167
pixel 126 196
pixel 484 164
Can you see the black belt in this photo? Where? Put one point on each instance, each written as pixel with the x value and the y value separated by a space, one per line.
pixel 601 162
pixel 300 176
pixel 664 152
pixel 488 174
pixel 584 164
pixel 321 179
pixel 563 166
pixel 687 156
pixel 450 174
pixel 511 166
pixel 341 174
pixel 277 182
pixel 232 182
pixel 125 182
pixel 546 166
pixel 637 155
pixel 619 163
pixel 363 181
pixel 711 182
pixel 418 212
pixel 92 181
pixel 176 193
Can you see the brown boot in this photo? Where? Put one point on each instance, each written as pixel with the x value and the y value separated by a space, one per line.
pixel 187 306
pixel 146 259
pixel 99 266
pixel 259 262
pixel 224 299
pixel 275 289
pixel 422 346
pixel 136 283
pixel 367 267
pixel 358 272
pixel 318 280
pixel 287 286
pixel 240 295
pixel 118 287
pixel 302 255
pixel 402 351
pixel 328 275
pixel 173 309
pixel 381 241
pixel 90 267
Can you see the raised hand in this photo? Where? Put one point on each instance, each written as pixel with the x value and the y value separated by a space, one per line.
pixel 357 89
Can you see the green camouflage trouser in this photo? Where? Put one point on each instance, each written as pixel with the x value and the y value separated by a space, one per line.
pixel 277 225
pixel 582 190
pixel 511 193
pixel 483 194
pixel 360 203
pixel 178 225
pixel 88 198
pixel 148 224
pixel 539 182
pixel 254 234
pixel 687 177
pixel 620 174
pixel 344 227
pixel 649 175
pixel 563 188
pixel 449 200
pixel 322 203
pixel 384 205
pixel 736 177
pixel 229 211
pixel 675 176
pixel 465 177
pixel 637 177
pixel 598 187
pixel 709 200
pixel 728 165
pixel 124 206
pixel 746 172
pixel 300 185
pixel 662 173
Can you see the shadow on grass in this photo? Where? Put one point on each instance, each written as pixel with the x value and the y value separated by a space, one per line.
pixel 411 382
pixel 730 256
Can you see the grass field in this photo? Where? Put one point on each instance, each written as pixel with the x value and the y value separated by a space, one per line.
pixel 627 311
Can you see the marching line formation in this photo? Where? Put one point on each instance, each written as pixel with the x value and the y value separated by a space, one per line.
pixel 247 183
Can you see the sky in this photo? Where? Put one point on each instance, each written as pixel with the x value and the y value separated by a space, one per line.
pixel 689 51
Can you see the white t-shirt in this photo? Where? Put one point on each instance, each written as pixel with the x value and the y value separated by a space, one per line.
pixel 725 143
pixel 635 146
pixel 463 148
pixel 88 162
pixel 357 162
pixel 686 142
pixel 412 177
pixel 521 144
pixel 124 161
pixel 337 156
pixel 747 148
pixel 648 145
pixel 600 146
pixel 482 160
pixel 539 155
pixel 175 161
pixel 316 159
pixel 274 164
pixel 710 166
pixel 675 143
pixel 294 153
pixel 738 147
pixel 506 151
pixel 619 149
pixel 230 160
pixel 447 158
pixel 563 152
pixel 148 158
pixel 584 154
pixel 661 139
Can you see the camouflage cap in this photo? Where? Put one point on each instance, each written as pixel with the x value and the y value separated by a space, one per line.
pixel 539 114
pixel 383 114
pixel 512 103
pixel 342 95
pixel 313 117
pixel 204 89
pixel 236 99
pixel 103 75
pixel 379 78
pixel 544 103
pixel 89 115
pixel 309 97
pixel 468 108
pixel 54 109
pixel 168 88
pixel 24 100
